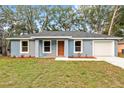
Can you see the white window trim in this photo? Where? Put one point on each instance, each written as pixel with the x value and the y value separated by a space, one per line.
pixel 81 46
pixel 50 46
pixel 21 46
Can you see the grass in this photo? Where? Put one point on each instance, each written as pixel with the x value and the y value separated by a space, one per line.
pixel 121 55
pixel 32 72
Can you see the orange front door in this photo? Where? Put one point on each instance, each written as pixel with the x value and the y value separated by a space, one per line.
pixel 60 48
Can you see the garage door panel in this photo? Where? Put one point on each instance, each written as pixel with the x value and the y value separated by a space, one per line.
pixel 103 48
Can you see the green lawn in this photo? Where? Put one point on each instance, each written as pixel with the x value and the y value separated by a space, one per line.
pixel 17 72
pixel 121 55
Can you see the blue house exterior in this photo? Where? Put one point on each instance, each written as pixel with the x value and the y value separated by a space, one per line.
pixel 56 44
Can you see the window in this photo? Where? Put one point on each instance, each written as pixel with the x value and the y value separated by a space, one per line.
pixel 122 51
pixel 47 47
pixel 78 46
pixel 24 46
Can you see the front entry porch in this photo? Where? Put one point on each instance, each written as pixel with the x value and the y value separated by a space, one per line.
pixel 47 48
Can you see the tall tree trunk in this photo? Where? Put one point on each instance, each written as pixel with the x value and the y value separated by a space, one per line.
pixel 45 23
pixel 112 20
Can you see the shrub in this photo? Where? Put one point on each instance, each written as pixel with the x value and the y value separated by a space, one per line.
pixel 30 56
pixel 79 54
pixel 14 56
pixel 22 56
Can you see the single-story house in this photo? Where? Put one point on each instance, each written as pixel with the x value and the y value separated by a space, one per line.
pixel 121 47
pixel 64 44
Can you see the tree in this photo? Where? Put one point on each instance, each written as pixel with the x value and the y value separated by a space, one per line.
pixel 6 20
pixel 95 17
pixel 56 18
pixel 114 16
pixel 27 17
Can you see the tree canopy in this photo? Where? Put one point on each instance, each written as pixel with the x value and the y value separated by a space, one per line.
pixel 101 19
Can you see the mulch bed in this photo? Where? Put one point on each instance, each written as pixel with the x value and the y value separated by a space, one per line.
pixel 82 57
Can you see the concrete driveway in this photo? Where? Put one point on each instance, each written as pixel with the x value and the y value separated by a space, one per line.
pixel 117 61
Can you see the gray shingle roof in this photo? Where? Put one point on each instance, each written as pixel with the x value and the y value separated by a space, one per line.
pixel 121 41
pixel 74 34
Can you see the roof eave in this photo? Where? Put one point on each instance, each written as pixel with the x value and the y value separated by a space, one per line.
pixel 108 38
pixel 18 38
pixel 68 37
pixel 39 37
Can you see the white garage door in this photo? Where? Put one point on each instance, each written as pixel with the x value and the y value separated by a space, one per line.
pixel 103 48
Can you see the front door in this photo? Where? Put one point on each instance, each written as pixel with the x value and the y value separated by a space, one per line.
pixel 60 48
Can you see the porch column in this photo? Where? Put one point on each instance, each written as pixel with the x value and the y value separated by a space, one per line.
pixel 36 48
pixel 66 48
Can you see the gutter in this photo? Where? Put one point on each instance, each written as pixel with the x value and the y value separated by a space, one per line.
pixel 107 38
pixel 65 37
pixel 18 38
pixel 38 37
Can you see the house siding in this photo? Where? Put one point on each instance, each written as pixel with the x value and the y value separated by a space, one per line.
pixel 15 49
pixel 37 48
pixel 53 49
pixel 68 48
pixel 116 48
pixel 87 48
pixel 32 48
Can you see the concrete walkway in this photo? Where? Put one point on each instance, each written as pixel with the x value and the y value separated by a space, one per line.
pixel 117 61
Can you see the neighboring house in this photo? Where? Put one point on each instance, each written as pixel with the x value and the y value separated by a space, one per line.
pixel 121 47
pixel 64 44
